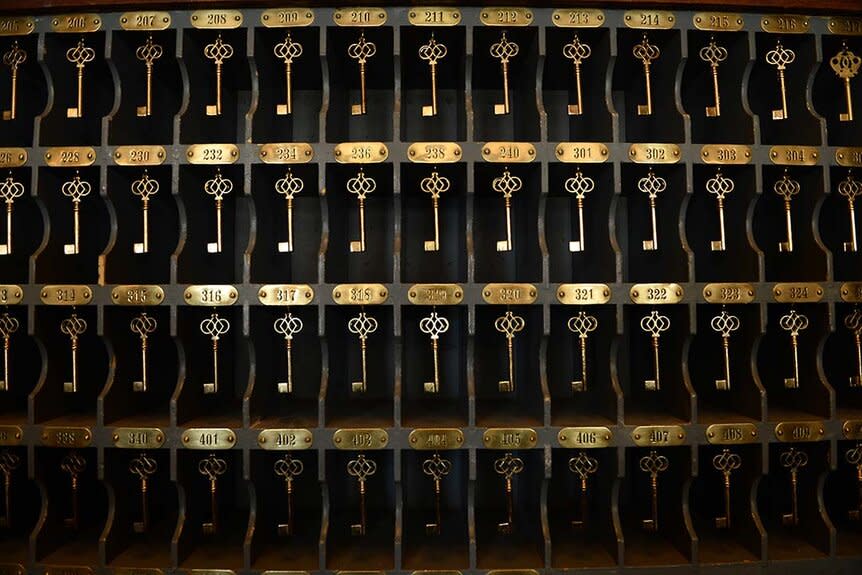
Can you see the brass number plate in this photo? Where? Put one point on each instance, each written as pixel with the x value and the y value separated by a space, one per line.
pixel 361 153
pixel 359 17
pixel 731 433
pixel 12 157
pixel 725 293
pixel 66 436
pixel 139 156
pixel 584 294
pixel 434 152
pixel 17 26
pixel 789 432
pixel 510 438
pixel 212 153
pixel 138 437
pixel 509 294
pixel 66 295
pixel 434 439
pixel 584 437
pixel 286 153
pixel 76 23
pixel 845 25
pixel 360 294
pixel 851 292
pixel 725 154
pixel 70 156
pixel 649 19
pixel 793 155
pixel 784 24
pixel 287 17
pixel 508 152
pixel 210 295
pixel 849 157
pixel 138 295
pixel 797 292
pixel 145 21
pixel 718 21
pixel 11 294
pixel 582 152
pixel 435 294
pixel 658 435
pixel 654 153
pixel 852 429
pixel 434 16
pixel 370 438
pixel 209 438
pixel 506 16
pixel 653 294
pixel 10 435
pixel 284 439
pixel 217 19
pixel 285 294
pixel 578 18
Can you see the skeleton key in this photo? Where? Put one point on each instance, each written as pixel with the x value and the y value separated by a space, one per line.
pixel 853 322
pixel 654 324
pixel 504 51
pixel 794 461
pixel 507 184
pixel 9 462
pixel 73 327
pixel 577 52
pixel 75 189
pixel 13 58
pixel 780 57
pixel 143 466
pixel 218 52
pixel 653 464
pixel 434 326
pixel 9 191
pixel 361 468
pixel 432 52
pixel 148 53
pixel 713 54
pixel 288 326
pixel 74 465
pixel 846 65
pixel 719 186
pixel 79 55
pixel 287 51
pixel 212 468
pixel 8 326
pixel 787 188
pixel 436 468
pixel 725 324
pixel 508 466
pixel 362 326
pixel 288 186
pixel 361 51
pixel 435 184
pixel 850 189
pixel 509 324
pixel 726 463
pixel 582 324
pixel 652 185
pixel 215 327
pixel 143 325
pixel 287 468
pixel 145 188
pixel 580 186
pixel 217 187
pixel 794 323
pixel 361 185
pixel 583 466
pixel 646 53
pixel 854 458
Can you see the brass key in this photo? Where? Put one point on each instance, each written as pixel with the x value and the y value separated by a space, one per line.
pixel 288 326
pixel 780 57
pixel 212 468
pixel 148 53
pixel 794 461
pixel 8 326
pixel 361 468
pixel 288 51
pixel 719 186
pixel 217 187
pixel 508 466
pixel 653 464
pixel 74 465
pixel 288 186
pixel 10 190
pixel 218 52
pixel 509 325
pixel 73 327
pixel 652 185
pixel 850 189
pixel 853 456
pixel 287 468
pixel 853 322
pixel 577 52
pixel 846 65
pixel 9 462
pixel 361 185
pixel 713 54
pixel 507 184
pixel 504 51
pixel 435 184
pixel 143 325
pixel 654 324
pixel 725 324
pixel 75 189
pixel 646 53
pixel 13 58
pixel 361 51
pixel 726 463
pixel 580 186
pixel 79 55
pixel 787 188
pixel 145 188
pixel 143 466
pixel 362 326
pixel 582 324
pixel 436 468
pixel 215 327
pixel 432 52
pixel 434 326
pixel 583 466
pixel 794 323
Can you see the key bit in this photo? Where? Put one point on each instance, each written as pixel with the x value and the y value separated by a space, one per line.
pixel 850 189
pixel 653 464
pixel 80 56
pixel 508 466
pixel 360 185
pixel 504 50
pixel 217 187
pixel 148 53
pixel 507 184
pixel 794 323
pixel 432 52
pixel 73 327
pixel 655 324
pixel 846 65
pixel 75 189
pixel 509 324
pixel 143 466
pixel 652 186
pixel 143 325
pixel 361 51
pixel 853 322
pixel 287 326
pixel 435 184
pixel 436 468
pixel 361 468
pixel 8 326
pixel 144 188
pixel 780 57
pixel 583 466
pixel 725 324
pixel 212 468
pixel 719 186
pixel 713 54
pixel 726 463
pixel 579 185
pixel 434 326
pixel 74 465
pixel 646 53
pixel 9 462
pixel 853 456
pixel 10 190
pixel 218 52
pixel 582 325
pixel 577 52
pixel 13 58
pixel 787 188
pixel 288 186
pixel 287 51
pixel 793 460
pixel 288 468
pixel 362 326
pixel 215 327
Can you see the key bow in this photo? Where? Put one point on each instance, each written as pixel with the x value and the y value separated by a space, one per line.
pixel 780 56
pixel 434 325
pixel 289 185
pixel 583 465
pixel 509 324
pixel 504 50
pixel 720 185
pixel 73 464
pixel 726 461
pixel 287 467
pixel 508 465
pixel 793 322
pixel 287 50
pixel 361 468
pixel 435 184
pixel 361 185
pixel 655 324
pixel 15 56
pixel 9 462
pixel 436 467
pixel 80 54
pixel 10 189
pixel 8 325
pixel 654 463
pixel 646 52
pixel 76 188
pixel 725 323
pixel 580 185
pixel 362 49
pixel 287 325
pixel 212 467
pixel 582 324
pixel 793 459
pixel 149 51
pixel 432 51
pixel 853 456
pixel 218 51
pixel 713 54
pixel 577 51
pixel 143 325
pixel 215 326
pixel 143 466
pixel 73 326
pixel 848 187
pixel 786 187
pixel 362 325
pixel 652 185
pixel 219 186
pixel 145 187
pixel 853 321
pixel 845 63
pixel 507 184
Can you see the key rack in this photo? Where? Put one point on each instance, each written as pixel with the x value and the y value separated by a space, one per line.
pixel 431 290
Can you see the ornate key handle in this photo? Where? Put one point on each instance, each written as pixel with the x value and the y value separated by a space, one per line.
pixel 80 54
pixel 149 52
pixel 143 466
pixel 583 465
pixel 646 52
pixel 793 460
pixel 654 463
pixel 434 325
pixel 509 324
pixel 212 467
pixel 726 462
pixel 652 185
pixel 853 456
pixel 73 464
pixel 848 187
pixel 76 188
pixel 362 325
pixel 287 468
pixel 218 51
pixel 362 49
pixel 9 462
pixel 853 321
pixel 436 467
pixel 289 185
pixel 582 324
pixel 720 186
pixel 713 54
pixel 10 190
pixel 580 185
pixel 780 56
pixel 793 322
pixel 433 51
pixel 288 50
pixel 786 187
pixel 845 63
pixel 145 188
pixel 504 50
pixel 8 325
pixel 508 466
pixel 725 324
pixel 435 184
pixel 15 56
pixel 73 326
pixel 215 326
pixel 655 324
pixel 143 325
pixel 218 187
pixel 577 51
pixel 288 326
pixel 507 184
pixel 361 468
pixel 361 185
